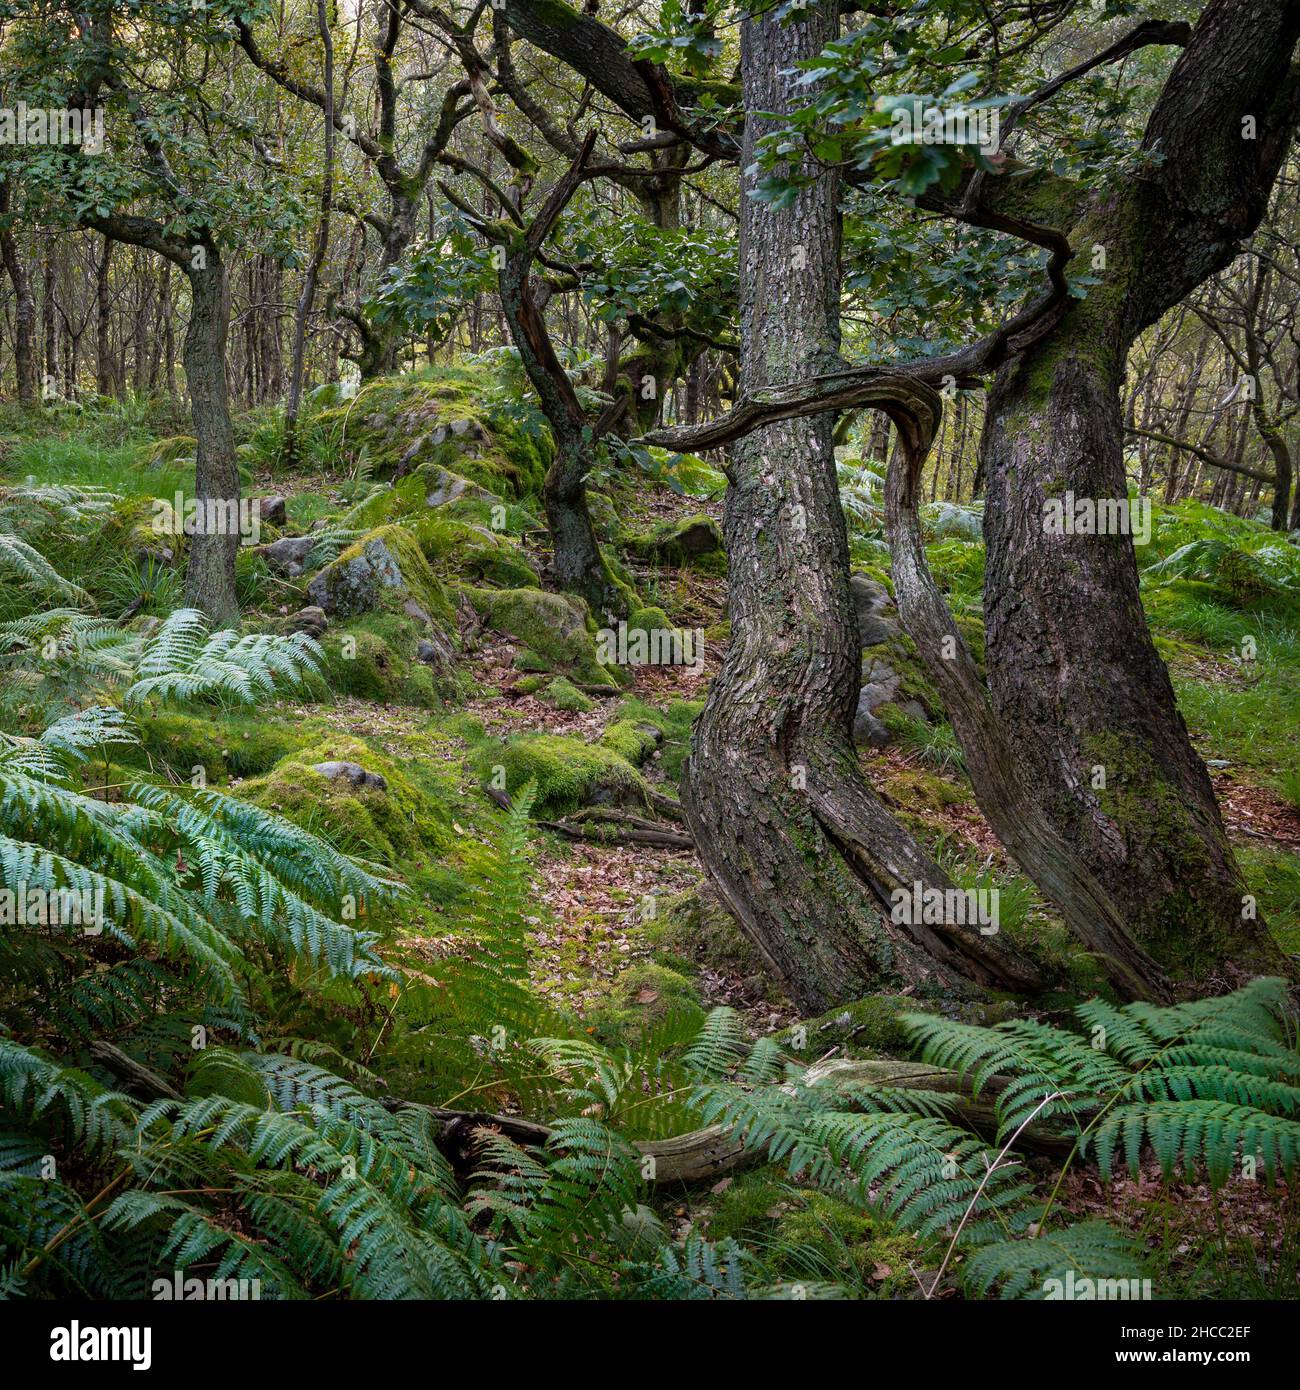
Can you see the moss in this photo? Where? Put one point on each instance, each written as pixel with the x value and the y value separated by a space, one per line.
pixel 553 626
pixel 239 746
pixel 689 540
pixel 530 685
pixel 389 824
pixel 564 695
pixel 384 571
pixel 860 1249
pixel 644 993
pixel 528 660
pixel 399 423
pixel 566 772
pixel 466 551
pixel 866 1027
pixel 373 657
pixel 648 620
pixel 674 722
pixel 630 740
pixel 692 931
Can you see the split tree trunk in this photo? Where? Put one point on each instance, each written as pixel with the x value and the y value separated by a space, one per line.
pixel 801 850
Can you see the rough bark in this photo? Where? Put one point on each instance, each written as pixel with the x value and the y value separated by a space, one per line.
pixel 25 350
pixel 210 570
pixel 798 845
pixel 1074 677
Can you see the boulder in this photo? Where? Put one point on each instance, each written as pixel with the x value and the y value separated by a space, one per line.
pixel 871 601
pixel 385 571
pixel 354 772
pixel 272 510
pixel 311 620
pixel 288 555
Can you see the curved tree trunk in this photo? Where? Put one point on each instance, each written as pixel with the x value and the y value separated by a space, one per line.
pixel 1087 703
pixel 799 847
pixel 210 572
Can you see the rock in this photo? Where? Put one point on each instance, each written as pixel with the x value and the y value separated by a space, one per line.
pixel 288 555
pixel 879 688
pixel 384 571
pixel 311 620
pixel 436 652
pixel 870 601
pixel 272 510
pixel 680 542
pixel 461 431
pixel 866 727
pixel 320 524
pixel 445 487
pixel 354 772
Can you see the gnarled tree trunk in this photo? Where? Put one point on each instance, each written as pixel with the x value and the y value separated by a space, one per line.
pixel 1086 702
pixel 801 850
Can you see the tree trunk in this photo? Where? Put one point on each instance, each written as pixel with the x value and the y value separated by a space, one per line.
pixel 1075 679
pixel 103 323
pixel 210 574
pixel 25 364
pixel 803 853
pixel 319 249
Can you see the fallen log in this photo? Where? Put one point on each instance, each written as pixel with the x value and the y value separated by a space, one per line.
pixel 707 1154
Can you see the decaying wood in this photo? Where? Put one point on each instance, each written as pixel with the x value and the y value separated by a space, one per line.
pixel 707 1154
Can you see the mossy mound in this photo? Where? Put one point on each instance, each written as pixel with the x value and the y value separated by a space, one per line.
pixel 811 1237
pixel 566 772
pixel 631 739
pixel 463 550
pixel 429 488
pixel 864 1028
pixel 643 994
pixel 553 627
pixel 231 746
pixel 442 417
pixel 564 695
pixel 375 657
pixel 385 571
pixel 689 540
pixel 389 824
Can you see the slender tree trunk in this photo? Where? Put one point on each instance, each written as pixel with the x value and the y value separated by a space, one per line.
pixel 800 848
pixel 25 364
pixel 104 378
pixel 307 298
pixel 210 574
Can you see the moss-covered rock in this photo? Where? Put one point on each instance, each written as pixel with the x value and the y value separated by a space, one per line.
pixel 564 695
pixel 690 540
pixel 444 417
pixel 389 823
pixel 385 571
pixel 632 739
pixel 463 550
pixel 566 772
pixel 642 994
pixel 551 626
pixel 375 657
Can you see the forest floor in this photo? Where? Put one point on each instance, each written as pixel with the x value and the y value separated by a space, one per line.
pixel 626 935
